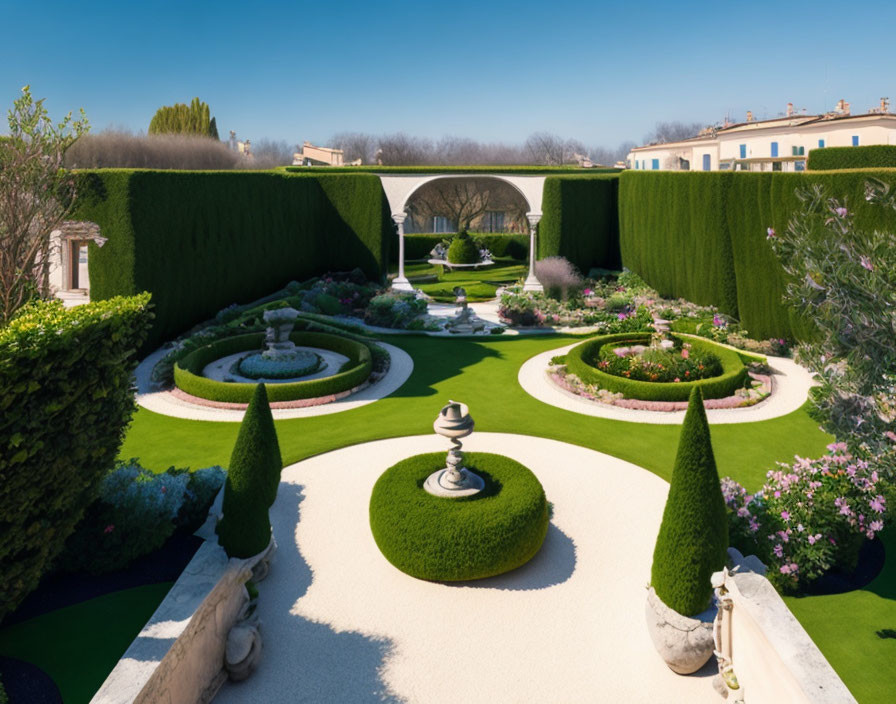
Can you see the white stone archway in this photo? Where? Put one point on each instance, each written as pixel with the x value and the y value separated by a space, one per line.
pixel 400 187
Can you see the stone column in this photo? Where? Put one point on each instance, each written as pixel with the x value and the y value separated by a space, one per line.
pixel 400 282
pixel 532 283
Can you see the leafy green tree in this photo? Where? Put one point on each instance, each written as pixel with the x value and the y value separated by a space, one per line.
pixel 252 481
pixel 36 195
pixel 693 537
pixel 192 119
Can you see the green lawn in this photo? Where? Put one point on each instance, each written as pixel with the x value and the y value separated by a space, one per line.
pixel 480 284
pixel 79 645
pixel 483 373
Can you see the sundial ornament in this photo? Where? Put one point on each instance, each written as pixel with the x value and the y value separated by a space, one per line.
pixel 454 422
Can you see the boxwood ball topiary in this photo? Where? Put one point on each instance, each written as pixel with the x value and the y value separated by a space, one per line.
pixel 463 249
pixel 693 537
pixel 452 539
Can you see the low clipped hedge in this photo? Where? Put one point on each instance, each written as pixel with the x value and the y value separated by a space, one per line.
pixel 873 156
pixel 472 537
pixel 734 373
pixel 188 371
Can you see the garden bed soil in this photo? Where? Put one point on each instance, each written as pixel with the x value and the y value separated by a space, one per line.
pixel 57 591
pixel 871 561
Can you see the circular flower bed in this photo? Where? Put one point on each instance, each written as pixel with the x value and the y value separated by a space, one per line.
pixel 188 371
pixel 613 362
pixel 454 539
pixel 290 366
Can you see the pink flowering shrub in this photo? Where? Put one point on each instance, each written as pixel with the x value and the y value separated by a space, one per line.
pixel 809 517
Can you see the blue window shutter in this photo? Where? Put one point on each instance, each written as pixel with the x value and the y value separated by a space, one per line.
pixel 821 143
pixel 707 162
pixel 743 151
pixel 855 140
pixel 656 164
pixel 774 149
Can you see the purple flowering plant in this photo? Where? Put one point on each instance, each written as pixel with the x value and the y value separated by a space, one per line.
pixel 809 517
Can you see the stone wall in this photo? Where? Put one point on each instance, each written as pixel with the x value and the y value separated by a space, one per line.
pixel 772 656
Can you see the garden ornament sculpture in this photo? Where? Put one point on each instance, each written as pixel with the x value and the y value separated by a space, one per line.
pixel 454 422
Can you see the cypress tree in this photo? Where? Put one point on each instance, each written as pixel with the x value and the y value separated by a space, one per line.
pixel 194 119
pixel 252 481
pixel 693 537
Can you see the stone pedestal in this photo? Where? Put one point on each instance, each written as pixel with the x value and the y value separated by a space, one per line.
pixel 685 643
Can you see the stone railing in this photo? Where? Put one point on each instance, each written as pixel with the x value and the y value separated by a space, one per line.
pixel 185 651
pixel 764 652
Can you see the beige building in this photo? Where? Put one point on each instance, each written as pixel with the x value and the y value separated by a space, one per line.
pixel 311 155
pixel 779 144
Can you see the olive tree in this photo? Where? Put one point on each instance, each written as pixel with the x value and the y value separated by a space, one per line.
pixel 36 195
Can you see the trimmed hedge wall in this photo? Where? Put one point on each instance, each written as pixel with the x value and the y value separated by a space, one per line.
pixel 874 156
pixel 453 539
pixel 580 221
pixel 734 373
pixel 419 245
pixel 528 170
pixel 188 371
pixel 200 241
pixel 703 236
pixel 65 402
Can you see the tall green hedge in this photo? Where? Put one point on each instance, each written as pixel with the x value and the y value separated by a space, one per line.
pixel 703 236
pixel 580 220
pixel 65 402
pixel 693 538
pixel 199 241
pixel 874 156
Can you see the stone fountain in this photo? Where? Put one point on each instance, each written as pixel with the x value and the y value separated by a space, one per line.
pixel 454 422
pixel 280 359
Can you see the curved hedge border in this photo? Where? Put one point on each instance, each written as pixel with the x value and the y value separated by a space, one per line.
pixel 471 537
pixel 734 373
pixel 188 371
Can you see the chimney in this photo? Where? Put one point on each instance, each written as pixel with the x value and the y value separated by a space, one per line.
pixel 846 108
pixel 885 105
pixel 789 109
pixel 749 115
pixel 842 107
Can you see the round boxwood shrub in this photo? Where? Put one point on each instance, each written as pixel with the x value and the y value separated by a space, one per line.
pixel 445 539
pixel 188 371
pixel 463 249
pixel 581 360
pixel 693 537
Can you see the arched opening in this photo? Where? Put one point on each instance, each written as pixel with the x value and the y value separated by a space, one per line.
pixel 475 204
pixel 68 255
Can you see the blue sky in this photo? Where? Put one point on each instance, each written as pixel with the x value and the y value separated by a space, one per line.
pixel 494 71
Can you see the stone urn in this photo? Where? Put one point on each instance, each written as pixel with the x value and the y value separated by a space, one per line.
pixel 684 642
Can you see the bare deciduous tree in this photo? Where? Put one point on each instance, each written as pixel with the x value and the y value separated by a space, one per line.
pixel 464 200
pixel 354 146
pixel 665 132
pixel 270 153
pixel 117 148
pixel 36 195
pixel 550 150
pixel 401 149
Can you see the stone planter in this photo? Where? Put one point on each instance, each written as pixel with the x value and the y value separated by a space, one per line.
pixel 685 643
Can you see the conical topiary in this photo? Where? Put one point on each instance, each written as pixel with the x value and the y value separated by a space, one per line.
pixel 693 537
pixel 252 481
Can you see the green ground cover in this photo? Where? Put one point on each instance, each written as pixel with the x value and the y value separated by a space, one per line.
pixel 79 645
pixel 482 372
pixel 480 284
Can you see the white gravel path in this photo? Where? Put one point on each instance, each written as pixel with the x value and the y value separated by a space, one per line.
pixel 791 389
pixel 341 624
pixel 164 402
